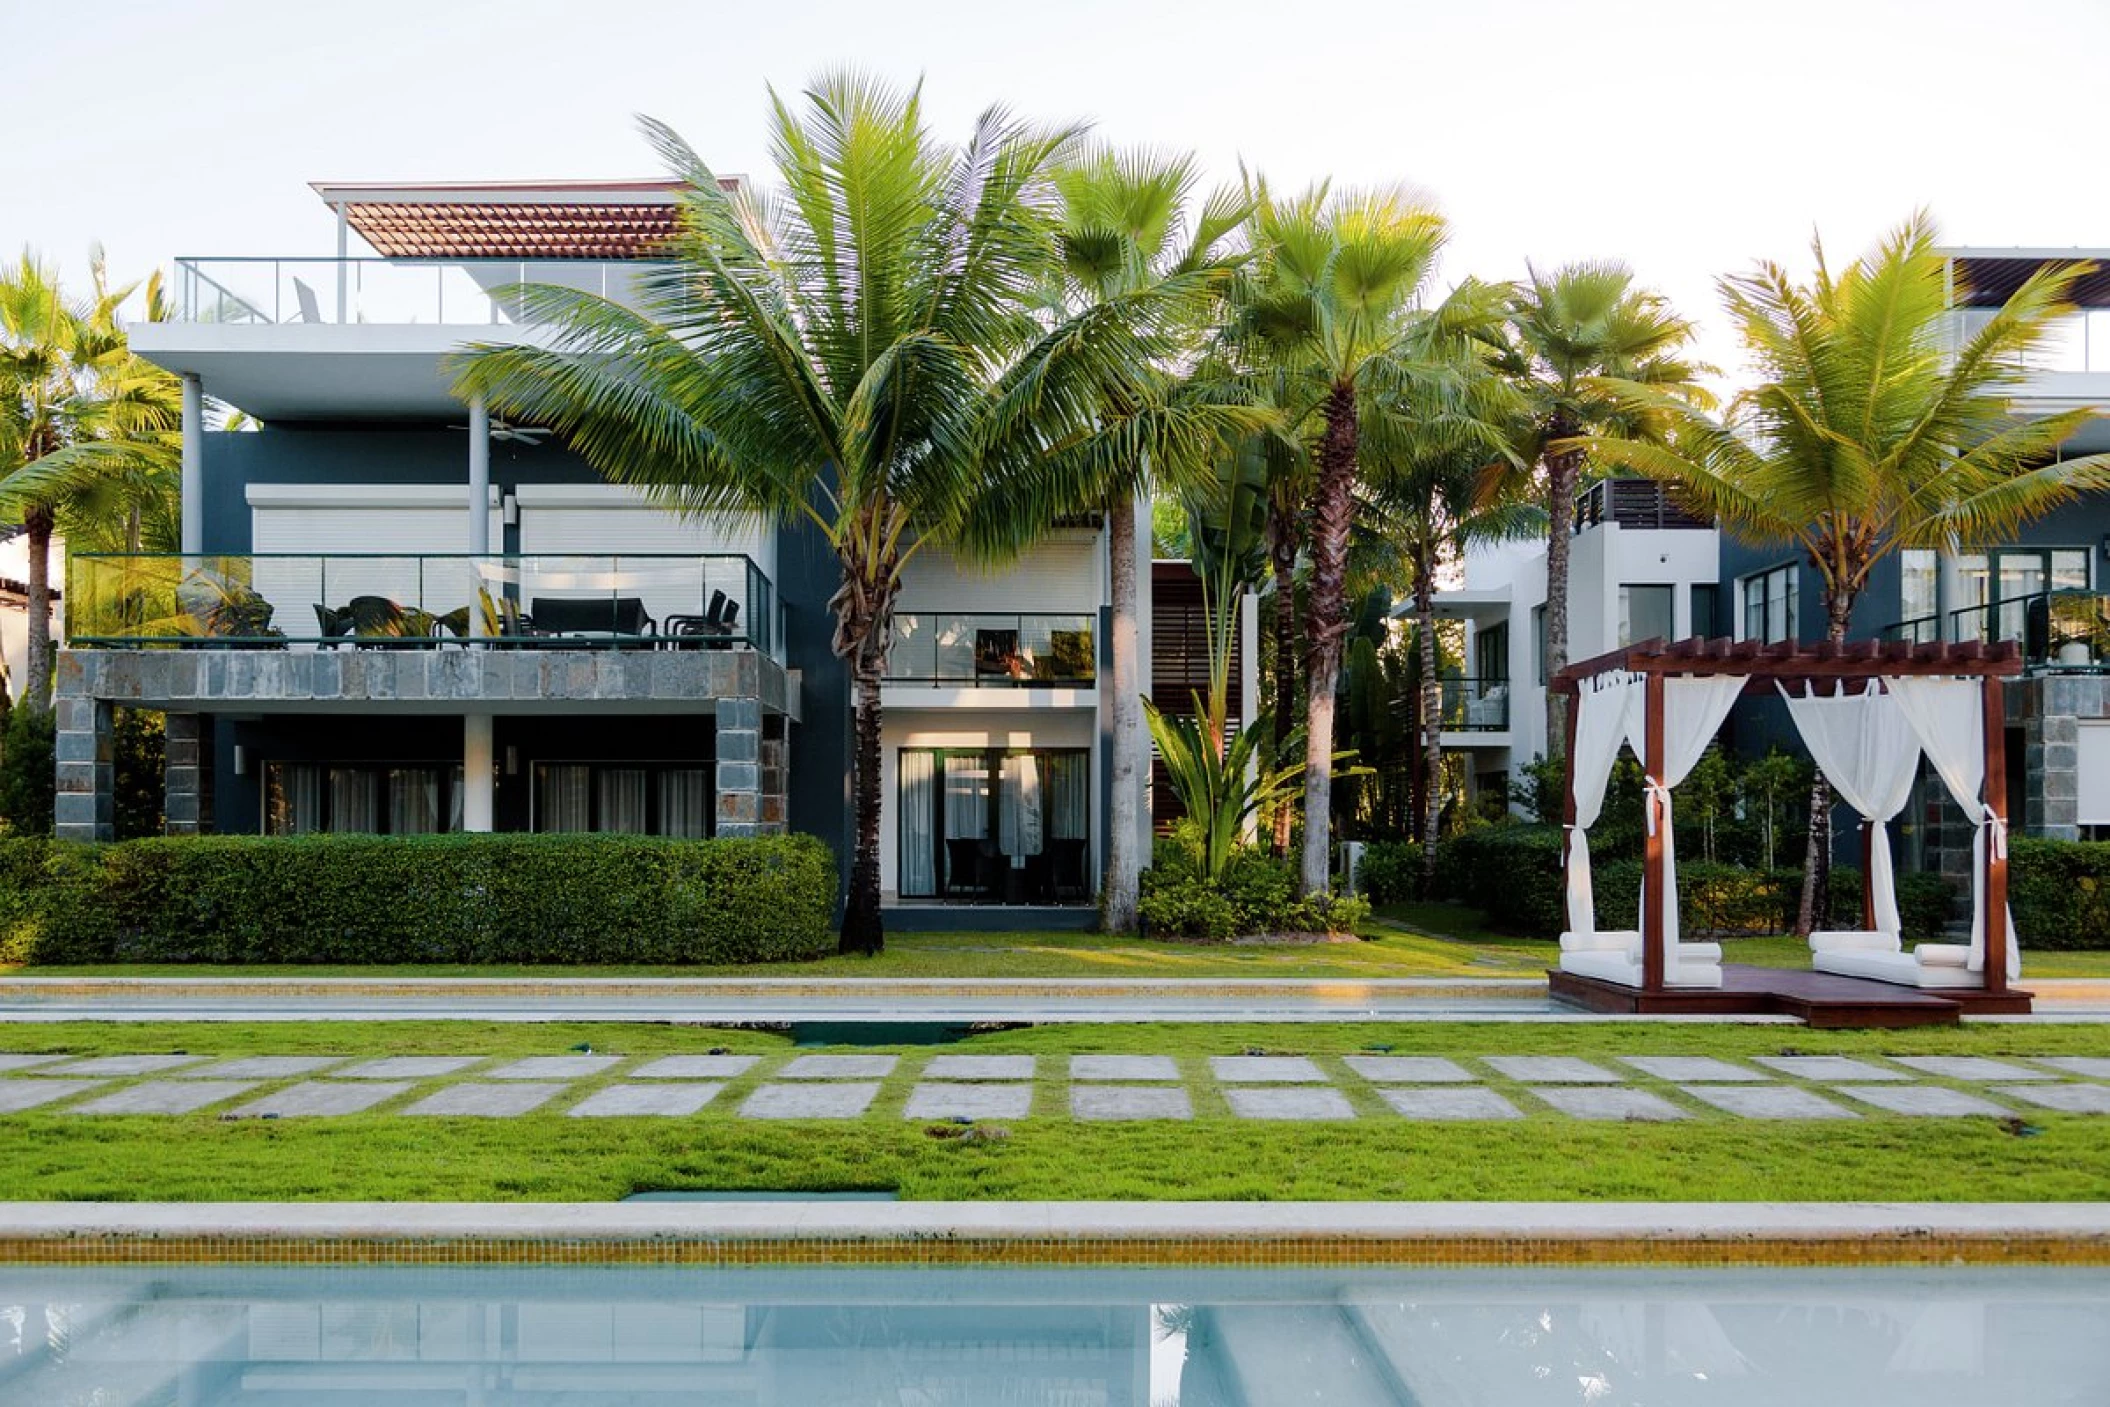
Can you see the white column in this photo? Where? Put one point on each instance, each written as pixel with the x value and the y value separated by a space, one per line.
pixel 192 484
pixel 344 267
pixel 478 772
pixel 479 504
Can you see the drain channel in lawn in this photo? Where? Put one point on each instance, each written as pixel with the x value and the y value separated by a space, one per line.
pixel 895 1032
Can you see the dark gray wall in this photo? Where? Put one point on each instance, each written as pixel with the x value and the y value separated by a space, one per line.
pixel 819 803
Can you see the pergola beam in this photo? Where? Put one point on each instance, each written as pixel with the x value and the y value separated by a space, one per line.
pixel 1789 662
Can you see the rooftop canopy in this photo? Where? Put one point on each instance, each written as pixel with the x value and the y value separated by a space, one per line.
pixel 511 219
pixel 1789 661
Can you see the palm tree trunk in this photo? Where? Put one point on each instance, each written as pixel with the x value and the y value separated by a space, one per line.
pixel 1327 625
pixel 1562 472
pixel 1817 859
pixel 863 607
pixel 1282 557
pixel 1431 719
pixel 1124 863
pixel 36 672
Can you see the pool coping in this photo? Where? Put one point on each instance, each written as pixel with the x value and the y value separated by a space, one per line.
pixel 1807 1234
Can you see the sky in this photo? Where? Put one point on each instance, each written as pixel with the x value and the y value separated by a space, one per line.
pixel 1685 137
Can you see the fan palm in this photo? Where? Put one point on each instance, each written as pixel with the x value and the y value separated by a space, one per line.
pixel 1571 331
pixel 869 352
pixel 1327 305
pixel 1872 427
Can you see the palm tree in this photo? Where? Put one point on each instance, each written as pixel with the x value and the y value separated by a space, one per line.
pixel 1871 427
pixel 867 353
pixel 1328 305
pixel 1124 230
pixel 1573 330
pixel 86 429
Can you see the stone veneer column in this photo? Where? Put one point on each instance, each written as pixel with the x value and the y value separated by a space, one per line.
pixel 776 775
pixel 186 774
pixel 739 753
pixel 86 750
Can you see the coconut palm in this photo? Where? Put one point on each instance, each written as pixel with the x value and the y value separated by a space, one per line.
pixel 868 352
pixel 87 431
pixel 1571 331
pixel 1327 306
pixel 1872 427
pixel 1125 229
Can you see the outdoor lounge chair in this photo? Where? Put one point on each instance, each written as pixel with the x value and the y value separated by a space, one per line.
pixel 966 873
pixel 593 616
pixel 1615 956
pixel 1882 957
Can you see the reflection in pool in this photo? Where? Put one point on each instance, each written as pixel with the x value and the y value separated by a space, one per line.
pixel 550 1337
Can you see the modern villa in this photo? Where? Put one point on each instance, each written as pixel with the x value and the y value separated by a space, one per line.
pixel 1643 566
pixel 396 614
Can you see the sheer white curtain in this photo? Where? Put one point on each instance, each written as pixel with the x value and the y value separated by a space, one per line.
pixel 685 803
pixel 355 800
pixel 1600 727
pixel 1868 752
pixel 622 800
pixel 561 796
pixel 297 805
pixel 1948 715
pixel 1069 795
pixel 1693 710
pixel 919 819
pixel 1018 822
pixel 413 801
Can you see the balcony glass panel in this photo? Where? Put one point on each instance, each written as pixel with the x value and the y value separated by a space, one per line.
pixel 1475 705
pixel 453 292
pixel 985 650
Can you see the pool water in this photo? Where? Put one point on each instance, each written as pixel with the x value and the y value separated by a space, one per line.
pixel 568 1337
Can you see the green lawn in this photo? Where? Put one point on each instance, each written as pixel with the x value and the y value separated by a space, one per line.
pixel 546 1156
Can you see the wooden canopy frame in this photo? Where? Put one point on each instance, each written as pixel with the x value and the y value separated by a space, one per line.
pixel 1789 662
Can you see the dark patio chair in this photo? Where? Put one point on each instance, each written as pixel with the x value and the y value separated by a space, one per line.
pixel 333 626
pixel 594 616
pixel 965 870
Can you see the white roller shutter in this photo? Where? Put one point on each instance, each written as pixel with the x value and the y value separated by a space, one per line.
pixel 359 540
pixel 674 564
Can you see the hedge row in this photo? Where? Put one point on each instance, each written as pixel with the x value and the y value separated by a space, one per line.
pixel 417 899
pixel 1514 874
pixel 2060 892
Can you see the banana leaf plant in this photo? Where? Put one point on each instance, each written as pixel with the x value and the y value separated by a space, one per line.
pixel 1220 786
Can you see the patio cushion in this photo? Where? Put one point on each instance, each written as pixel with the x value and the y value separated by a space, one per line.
pixel 1942 954
pixel 1843 941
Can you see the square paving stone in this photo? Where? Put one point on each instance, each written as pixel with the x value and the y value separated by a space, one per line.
pixel 2070 1099
pixel 125 1065
pixel 1969 1067
pixel 1297 1104
pixel 23 1062
pixel 318 1097
pixel 2094 1066
pixel 696 1067
pixel 661 1100
pixel 486 1101
pixel 1553 1070
pixel 1926 1100
pixel 262 1067
pixel 1770 1102
pixel 1693 1069
pixel 1123 1067
pixel 17 1095
pixel 839 1067
pixel 1829 1067
pixel 836 1101
pixel 979 1067
pixel 1129 1102
pixel 978 1101
pixel 1266 1070
pixel 1449 1103
pixel 1410 1069
pixel 165 1097
pixel 409 1067
pixel 553 1067
pixel 1610 1103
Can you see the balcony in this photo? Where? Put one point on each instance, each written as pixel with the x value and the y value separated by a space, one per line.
pixel 440 292
pixel 2058 630
pixel 2078 342
pixel 373 601
pixel 993 651
pixel 1633 503
pixel 1475 705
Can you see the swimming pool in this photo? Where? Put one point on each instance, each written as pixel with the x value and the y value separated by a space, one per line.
pixel 933 1336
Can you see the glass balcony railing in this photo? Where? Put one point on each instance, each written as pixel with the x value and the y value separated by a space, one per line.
pixel 2056 629
pixel 380 601
pixel 2080 341
pixel 449 292
pixel 1475 705
pixel 992 650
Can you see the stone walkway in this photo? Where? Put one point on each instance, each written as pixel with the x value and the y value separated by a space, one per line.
pixel 951 1087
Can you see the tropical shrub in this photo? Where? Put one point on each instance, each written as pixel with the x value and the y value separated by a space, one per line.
pixel 417 899
pixel 1220 789
pixel 1390 871
pixel 1255 894
pixel 2059 891
pixel 27 775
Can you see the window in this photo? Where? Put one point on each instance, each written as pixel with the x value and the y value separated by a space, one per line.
pixel 623 798
pixel 311 798
pixel 1644 613
pixel 1918 570
pixel 1706 609
pixel 995 825
pixel 1491 652
pixel 1538 643
pixel 1993 587
pixel 1770 603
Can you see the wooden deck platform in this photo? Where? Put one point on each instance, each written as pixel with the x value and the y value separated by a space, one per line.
pixel 1821 999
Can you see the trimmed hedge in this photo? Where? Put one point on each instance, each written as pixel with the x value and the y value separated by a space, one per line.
pixel 2059 891
pixel 417 899
pixel 1390 872
pixel 1513 873
pixel 1257 895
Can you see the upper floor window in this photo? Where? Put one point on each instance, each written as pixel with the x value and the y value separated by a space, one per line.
pixel 1644 613
pixel 1771 600
pixel 1706 609
pixel 1491 651
pixel 1993 587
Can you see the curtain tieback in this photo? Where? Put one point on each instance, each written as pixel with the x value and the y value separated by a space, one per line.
pixel 1996 832
pixel 1658 800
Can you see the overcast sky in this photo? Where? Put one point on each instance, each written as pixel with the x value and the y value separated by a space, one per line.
pixel 1687 137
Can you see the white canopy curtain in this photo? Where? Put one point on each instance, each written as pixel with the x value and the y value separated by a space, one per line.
pixel 1948 715
pixel 1601 725
pixel 1867 751
pixel 1693 711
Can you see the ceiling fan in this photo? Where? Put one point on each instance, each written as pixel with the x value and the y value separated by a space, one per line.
pixel 519 434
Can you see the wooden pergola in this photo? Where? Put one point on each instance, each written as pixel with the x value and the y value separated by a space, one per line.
pixel 1789 663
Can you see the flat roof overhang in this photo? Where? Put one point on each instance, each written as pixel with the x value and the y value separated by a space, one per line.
pixel 323 371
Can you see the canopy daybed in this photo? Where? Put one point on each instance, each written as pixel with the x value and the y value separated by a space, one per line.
pixel 1867 712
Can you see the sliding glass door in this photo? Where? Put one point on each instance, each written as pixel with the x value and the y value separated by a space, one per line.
pixel 995 825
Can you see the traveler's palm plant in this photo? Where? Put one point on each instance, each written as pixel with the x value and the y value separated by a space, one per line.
pixel 868 350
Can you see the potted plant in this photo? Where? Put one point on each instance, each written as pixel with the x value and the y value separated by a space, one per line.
pixel 2072 636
